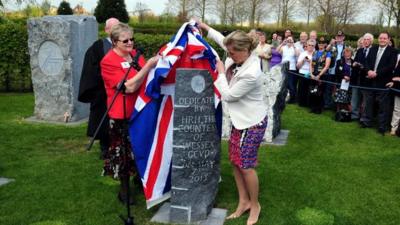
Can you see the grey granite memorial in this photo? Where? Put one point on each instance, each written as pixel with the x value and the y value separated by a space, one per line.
pixel 196 147
pixel 275 95
pixel 57 45
pixel 196 151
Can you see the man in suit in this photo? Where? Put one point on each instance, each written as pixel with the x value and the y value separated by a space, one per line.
pixel 381 61
pixel 359 70
pixel 91 87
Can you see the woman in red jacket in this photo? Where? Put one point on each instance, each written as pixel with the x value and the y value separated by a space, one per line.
pixel 119 159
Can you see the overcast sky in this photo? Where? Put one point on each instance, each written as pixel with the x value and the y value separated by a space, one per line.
pixel 156 6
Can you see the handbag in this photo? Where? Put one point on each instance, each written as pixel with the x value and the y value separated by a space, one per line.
pixel 343 116
pixel 314 90
pixel 342 96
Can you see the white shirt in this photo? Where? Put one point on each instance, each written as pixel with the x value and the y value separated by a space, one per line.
pixel 244 93
pixel 289 55
pixel 305 68
pixel 379 56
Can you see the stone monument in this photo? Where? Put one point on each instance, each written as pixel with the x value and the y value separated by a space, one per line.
pixel 57 45
pixel 196 148
pixel 275 95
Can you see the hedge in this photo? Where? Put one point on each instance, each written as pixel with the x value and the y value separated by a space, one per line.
pixel 14 58
pixel 15 73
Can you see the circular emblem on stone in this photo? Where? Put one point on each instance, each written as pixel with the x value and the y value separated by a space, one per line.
pixel 198 84
pixel 51 60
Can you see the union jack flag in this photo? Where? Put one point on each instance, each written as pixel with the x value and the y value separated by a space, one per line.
pixel 151 126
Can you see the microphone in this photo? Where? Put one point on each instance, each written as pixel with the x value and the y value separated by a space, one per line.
pixel 135 60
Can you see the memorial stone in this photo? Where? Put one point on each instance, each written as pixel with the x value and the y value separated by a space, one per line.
pixel 275 95
pixel 196 148
pixel 57 45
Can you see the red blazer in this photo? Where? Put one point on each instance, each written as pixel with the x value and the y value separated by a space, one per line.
pixel 112 71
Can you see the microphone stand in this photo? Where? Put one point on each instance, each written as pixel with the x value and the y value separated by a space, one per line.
pixel 120 88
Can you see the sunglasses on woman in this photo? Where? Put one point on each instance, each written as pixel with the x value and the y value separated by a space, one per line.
pixel 127 40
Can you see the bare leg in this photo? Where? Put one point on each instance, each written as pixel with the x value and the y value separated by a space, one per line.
pixel 244 199
pixel 252 187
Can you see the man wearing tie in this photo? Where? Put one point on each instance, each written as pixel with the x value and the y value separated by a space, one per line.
pixel 381 61
pixel 359 71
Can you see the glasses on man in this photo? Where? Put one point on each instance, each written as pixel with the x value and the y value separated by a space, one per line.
pixel 127 40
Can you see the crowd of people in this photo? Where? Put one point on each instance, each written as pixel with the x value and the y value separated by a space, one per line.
pixel 315 66
pixel 359 83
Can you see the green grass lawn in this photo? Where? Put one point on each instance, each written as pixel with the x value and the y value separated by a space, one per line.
pixel 328 173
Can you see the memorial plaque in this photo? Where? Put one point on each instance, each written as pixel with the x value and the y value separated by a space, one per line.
pixel 196 148
pixel 57 45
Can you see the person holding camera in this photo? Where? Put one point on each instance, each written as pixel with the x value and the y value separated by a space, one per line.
pixel 289 53
pixel 305 68
pixel 320 62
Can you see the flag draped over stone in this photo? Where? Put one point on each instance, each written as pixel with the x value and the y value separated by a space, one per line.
pixel 151 127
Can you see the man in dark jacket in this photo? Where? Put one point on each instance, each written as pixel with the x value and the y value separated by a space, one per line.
pixel 91 88
pixel 381 62
pixel 359 70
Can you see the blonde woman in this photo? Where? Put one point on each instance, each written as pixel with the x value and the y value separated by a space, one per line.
pixel 240 84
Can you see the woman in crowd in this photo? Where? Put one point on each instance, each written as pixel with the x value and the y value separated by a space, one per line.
pixel 305 68
pixel 396 111
pixel 118 159
pixel 289 54
pixel 344 72
pixel 240 85
pixel 276 57
pixel 320 61
pixel 263 51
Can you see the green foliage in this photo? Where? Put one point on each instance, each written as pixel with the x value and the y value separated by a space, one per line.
pixel 45 7
pixel 111 8
pixel 64 9
pixel 14 58
pixel 309 216
pixel 328 173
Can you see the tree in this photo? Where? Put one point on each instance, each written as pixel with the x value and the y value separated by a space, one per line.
pixel 221 9
pixel 64 9
pixel 45 6
pixel 387 8
pixel 200 8
pixel 254 5
pixel 349 11
pixel 183 7
pixel 288 7
pixel 141 9
pixel 306 8
pixel 18 2
pixel 111 8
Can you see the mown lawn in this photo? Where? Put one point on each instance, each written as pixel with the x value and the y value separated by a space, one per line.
pixel 328 173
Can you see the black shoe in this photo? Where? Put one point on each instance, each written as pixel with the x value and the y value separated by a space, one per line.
pixel 291 101
pixel 364 125
pixel 381 131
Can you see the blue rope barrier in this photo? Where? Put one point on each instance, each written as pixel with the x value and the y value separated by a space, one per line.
pixel 353 86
